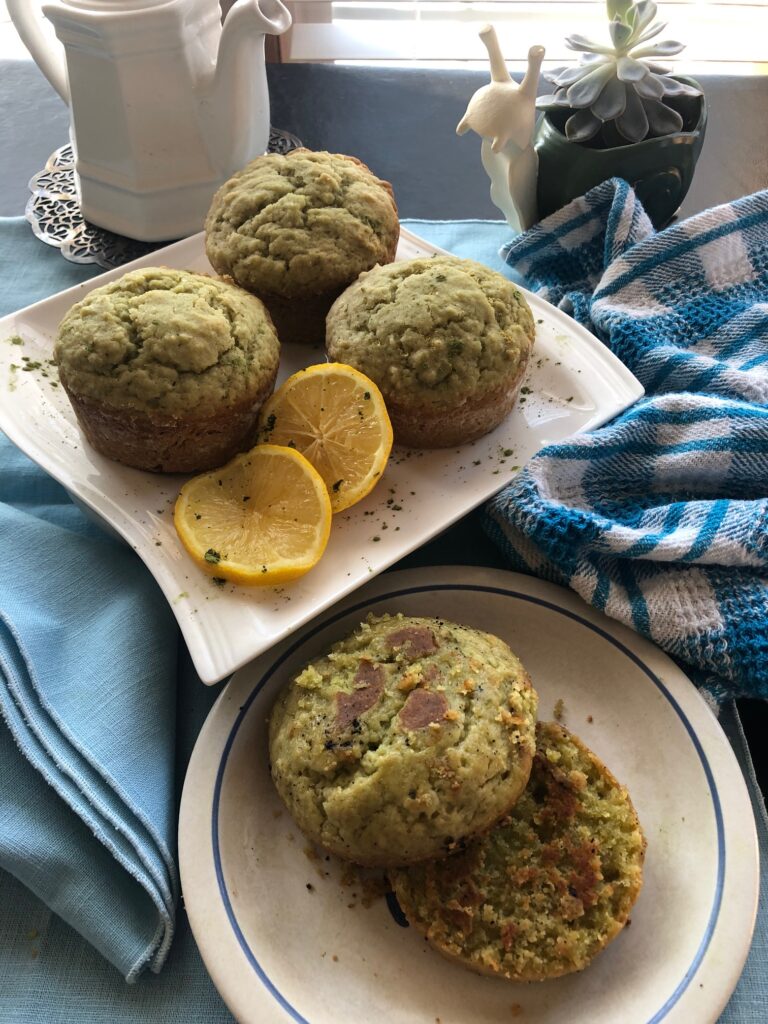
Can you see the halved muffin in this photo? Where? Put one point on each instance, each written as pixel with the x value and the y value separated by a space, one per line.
pixel 542 893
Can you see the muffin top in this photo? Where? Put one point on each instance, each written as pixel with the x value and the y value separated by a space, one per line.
pixel 545 890
pixel 168 341
pixel 432 330
pixel 303 223
pixel 408 735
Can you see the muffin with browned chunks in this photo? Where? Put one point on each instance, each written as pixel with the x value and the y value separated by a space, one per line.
pixel 166 370
pixel 447 341
pixel 296 229
pixel 542 893
pixel 404 738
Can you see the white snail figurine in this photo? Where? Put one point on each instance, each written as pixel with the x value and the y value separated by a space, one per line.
pixel 504 114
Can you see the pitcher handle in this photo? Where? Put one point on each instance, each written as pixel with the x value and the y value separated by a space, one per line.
pixel 47 54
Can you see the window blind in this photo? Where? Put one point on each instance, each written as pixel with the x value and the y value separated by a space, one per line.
pixel 726 36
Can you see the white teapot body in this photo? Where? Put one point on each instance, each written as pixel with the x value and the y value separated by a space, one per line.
pixel 165 103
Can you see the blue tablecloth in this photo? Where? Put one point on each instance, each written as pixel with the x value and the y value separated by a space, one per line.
pixel 48 972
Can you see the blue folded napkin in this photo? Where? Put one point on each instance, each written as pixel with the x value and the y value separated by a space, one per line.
pixel 661 518
pixel 88 702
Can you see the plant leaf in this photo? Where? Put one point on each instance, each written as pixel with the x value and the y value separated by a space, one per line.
pixel 620 34
pixel 645 12
pixel 631 22
pixel 611 101
pixel 618 9
pixel 653 31
pixel 584 92
pixel 585 45
pixel 554 101
pixel 651 87
pixel 630 70
pixel 551 76
pixel 570 75
pixel 578 40
pixel 582 126
pixel 674 88
pixel 633 123
pixel 663 120
pixel 667 48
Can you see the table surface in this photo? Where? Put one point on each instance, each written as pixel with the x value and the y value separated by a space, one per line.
pixel 402 122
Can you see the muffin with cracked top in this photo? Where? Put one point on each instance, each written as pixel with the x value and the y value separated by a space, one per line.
pixel 542 893
pixel 166 369
pixel 296 229
pixel 407 736
pixel 447 340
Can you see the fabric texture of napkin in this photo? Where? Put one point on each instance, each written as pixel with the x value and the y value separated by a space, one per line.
pixel 88 700
pixel 660 519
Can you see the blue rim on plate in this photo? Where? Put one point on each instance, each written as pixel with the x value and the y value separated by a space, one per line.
pixel 685 981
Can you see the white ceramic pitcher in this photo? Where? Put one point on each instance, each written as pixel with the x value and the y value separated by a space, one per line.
pixel 165 103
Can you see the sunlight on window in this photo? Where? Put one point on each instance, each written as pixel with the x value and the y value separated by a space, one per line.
pixel 724 37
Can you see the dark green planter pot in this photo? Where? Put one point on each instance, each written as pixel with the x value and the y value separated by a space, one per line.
pixel 659 170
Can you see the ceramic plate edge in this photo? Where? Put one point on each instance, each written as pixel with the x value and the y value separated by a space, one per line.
pixel 221 722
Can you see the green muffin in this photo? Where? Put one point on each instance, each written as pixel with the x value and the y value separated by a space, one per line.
pixel 296 229
pixel 405 737
pixel 544 891
pixel 447 341
pixel 166 369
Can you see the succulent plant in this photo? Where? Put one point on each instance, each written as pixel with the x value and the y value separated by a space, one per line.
pixel 619 84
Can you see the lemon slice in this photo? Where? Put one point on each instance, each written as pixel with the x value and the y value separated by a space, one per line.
pixel 336 417
pixel 264 518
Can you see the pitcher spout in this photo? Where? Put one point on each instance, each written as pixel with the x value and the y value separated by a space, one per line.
pixel 235 101
pixel 271 17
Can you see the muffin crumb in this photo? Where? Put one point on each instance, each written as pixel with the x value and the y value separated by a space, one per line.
pixel 544 891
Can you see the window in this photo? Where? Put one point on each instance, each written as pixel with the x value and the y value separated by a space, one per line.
pixel 727 36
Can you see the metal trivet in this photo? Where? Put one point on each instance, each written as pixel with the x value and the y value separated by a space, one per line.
pixel 54 213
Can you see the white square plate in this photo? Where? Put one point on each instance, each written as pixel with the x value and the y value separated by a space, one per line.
pixel 574 383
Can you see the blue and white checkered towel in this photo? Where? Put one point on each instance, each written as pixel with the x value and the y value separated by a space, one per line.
pixel 661 518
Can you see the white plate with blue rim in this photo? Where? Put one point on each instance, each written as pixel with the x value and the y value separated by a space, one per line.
pixel 292 936
pixel 573 383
